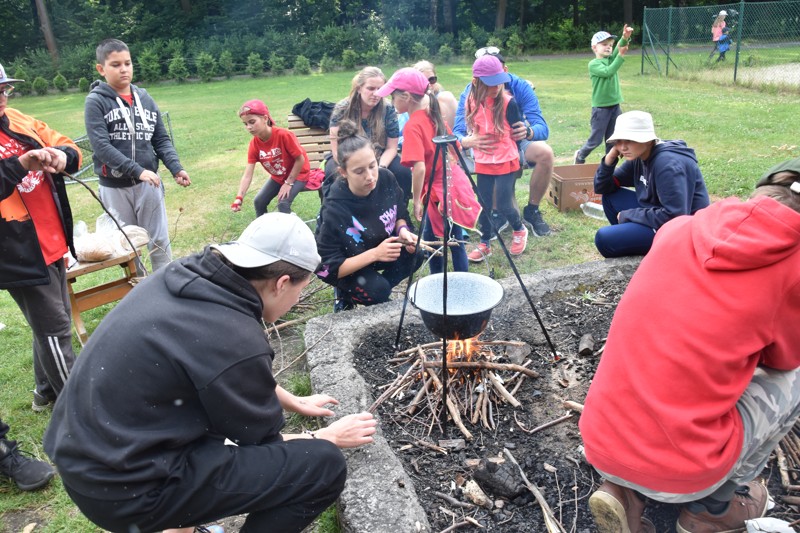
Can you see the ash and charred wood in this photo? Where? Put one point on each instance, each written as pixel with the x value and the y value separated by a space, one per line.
pixel 430 446
pixel 550 521
pixel 501 390
pixel 415 350
pixel 543 426
pixel 476 411
pixel 459 525
pixel 452 501
pixel 487 365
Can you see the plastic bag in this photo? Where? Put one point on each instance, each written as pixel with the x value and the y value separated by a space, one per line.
pixel 93 247
pixel 137 235
pixel 105 224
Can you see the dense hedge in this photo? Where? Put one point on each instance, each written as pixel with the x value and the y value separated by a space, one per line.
pixel 327 48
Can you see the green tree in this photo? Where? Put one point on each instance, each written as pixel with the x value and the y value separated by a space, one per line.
pixel 206 66
pixel 40 86
pixel 178 70
pixel 255 65
pixel 60 83
pixel 225 64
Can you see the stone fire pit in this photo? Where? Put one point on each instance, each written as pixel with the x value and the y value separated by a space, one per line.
pixel 379 495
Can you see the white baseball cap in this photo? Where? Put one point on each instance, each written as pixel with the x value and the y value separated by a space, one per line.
pixel 270 238
pixel 634 126
pixel 601 36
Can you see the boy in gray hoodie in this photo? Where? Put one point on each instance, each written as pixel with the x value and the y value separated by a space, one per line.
pixel 128 138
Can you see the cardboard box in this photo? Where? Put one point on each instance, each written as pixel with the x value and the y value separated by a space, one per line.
pixel 572 185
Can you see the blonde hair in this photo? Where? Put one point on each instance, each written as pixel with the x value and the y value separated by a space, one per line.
pixel 478 94
pixel 718 21
pixel 422 66
pixel 377 117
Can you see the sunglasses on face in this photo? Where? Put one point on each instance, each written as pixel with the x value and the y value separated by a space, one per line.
pixel 432 80
pixel 490 50
pixel 7 91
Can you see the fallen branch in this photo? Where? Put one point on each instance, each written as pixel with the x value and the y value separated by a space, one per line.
pixel 501 390
pixel 452 501
pixel 543 426
pixel 575 406
pixel 550 521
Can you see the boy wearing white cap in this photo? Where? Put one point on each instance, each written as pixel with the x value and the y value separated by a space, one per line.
pixel 181 365
pixel 606 94
pixel 666 179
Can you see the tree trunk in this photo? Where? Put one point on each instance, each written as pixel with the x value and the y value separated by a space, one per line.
pixel 450 17
pixel 500 20
pixel 435 15
pixel 627 11
pixel 186 6
pixel 522 8
pixel 575 19
pixel 47 30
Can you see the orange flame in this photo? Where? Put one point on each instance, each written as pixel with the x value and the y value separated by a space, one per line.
pixel 465 350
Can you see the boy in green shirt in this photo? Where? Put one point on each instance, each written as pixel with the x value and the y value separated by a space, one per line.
pixel 606 95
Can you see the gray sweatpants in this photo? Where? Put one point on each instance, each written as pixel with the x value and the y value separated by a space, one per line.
pixel 769 408
pixel 143 205
pixel 602 122
pixel 48 312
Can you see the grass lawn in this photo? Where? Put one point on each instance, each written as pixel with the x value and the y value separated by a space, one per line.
pixel 737 134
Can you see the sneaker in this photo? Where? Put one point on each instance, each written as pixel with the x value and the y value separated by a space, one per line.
pixel 341 303
pixel 618 510
pixel 480 253
pixel 500 223
pixel 519 240
pixel 533 216
pixel 577 159
pixel 749 502
pixel 27 473
pixel 41 403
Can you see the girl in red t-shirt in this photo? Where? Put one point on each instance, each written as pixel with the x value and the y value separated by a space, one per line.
pixel 280 153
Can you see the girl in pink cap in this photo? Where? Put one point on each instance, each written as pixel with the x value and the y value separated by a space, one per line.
pixel 490 111
pixel 280 153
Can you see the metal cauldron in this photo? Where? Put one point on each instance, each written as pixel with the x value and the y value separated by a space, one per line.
pixel 470 300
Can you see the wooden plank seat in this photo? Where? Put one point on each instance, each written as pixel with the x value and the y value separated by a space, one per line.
pixel 316 141
pixel 101 294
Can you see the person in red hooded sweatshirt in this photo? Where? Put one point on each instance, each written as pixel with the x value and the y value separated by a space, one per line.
pixel 700 380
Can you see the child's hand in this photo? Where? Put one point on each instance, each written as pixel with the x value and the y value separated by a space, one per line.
pixel 284 191
pixel 182 179
pixel 622 50
pixel 519 131
pixel 612 157
pixel 388 250
pixel 418 210
pixel 627 31
pixel 148 176
pixel 236 206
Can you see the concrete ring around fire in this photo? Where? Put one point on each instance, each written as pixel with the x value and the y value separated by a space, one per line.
pixel 379 495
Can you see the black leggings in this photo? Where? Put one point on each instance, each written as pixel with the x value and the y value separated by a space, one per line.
pixel 373 284
pixel 503 186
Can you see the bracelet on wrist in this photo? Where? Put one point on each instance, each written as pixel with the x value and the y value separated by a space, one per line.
pixel 309 432
pixel 400 228
pixel 240 197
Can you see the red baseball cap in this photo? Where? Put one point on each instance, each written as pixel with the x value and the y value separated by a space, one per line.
pixel 254 107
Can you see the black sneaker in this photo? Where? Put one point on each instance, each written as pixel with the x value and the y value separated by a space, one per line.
pixel 533 216
pixel 41 403
pixel 500 223
pixel 341 303
pixel 27 473
pixel 577 159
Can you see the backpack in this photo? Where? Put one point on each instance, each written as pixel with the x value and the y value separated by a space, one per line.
pixel 314 114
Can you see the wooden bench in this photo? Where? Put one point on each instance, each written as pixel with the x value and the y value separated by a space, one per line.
pixel 316 141
pixel 102 294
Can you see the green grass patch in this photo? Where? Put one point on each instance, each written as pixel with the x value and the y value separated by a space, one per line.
pixel 737 134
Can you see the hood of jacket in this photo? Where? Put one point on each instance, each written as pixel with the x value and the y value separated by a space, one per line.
pixel 734 235
pixel 672 147
pixel 205 278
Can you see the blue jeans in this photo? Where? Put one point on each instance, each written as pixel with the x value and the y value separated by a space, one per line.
pixel 457 254
pixel 622 239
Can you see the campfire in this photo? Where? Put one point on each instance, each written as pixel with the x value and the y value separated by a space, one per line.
pixel 483 375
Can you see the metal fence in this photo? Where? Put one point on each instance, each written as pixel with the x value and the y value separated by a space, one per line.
pixel 759 43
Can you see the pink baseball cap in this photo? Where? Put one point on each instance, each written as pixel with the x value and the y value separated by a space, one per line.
pixel 406 79
pixel 490 71
pixel 254 107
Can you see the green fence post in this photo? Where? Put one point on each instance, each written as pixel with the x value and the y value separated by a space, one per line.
pixel 644 25
pixel 738 40
pixel 669 37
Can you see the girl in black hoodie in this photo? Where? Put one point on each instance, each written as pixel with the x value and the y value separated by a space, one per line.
pixel 365 240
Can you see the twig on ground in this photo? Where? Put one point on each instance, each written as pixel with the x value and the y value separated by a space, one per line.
pixel 550 521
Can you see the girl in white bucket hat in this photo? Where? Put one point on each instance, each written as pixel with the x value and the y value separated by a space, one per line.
pixel 666 183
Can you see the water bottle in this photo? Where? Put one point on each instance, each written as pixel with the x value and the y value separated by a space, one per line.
pixel 594 210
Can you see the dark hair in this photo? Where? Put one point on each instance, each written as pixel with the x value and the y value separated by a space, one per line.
pixel 272 271
pixel 377 117
pixel 778 189
pixel 107 46
pixel 349 140
pixel 434 110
